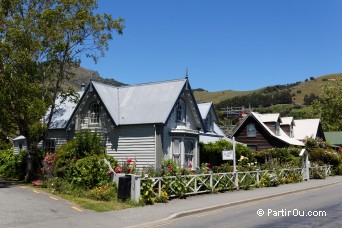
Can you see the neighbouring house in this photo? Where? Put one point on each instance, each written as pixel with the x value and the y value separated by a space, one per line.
pixel 211 131
pixel 334 137
pixel 148 122
pixel 19 143
pixel 263 131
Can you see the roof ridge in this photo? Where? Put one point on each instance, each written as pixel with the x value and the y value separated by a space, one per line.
pixel 143 84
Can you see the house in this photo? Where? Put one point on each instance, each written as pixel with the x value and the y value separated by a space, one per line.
pixel 211 131
pixel 148 122
pixel 263 131
pixel 19 143
pixel 334 137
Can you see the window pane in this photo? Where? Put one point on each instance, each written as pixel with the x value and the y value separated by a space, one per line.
pixel 251 130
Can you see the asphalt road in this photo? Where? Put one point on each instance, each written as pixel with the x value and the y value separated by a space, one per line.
pixel 320 207
pixel 21 206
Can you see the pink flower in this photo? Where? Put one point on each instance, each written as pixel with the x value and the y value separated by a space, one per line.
pixel 118 169
pixel 110 172
pixel 75 159
pixel 190 164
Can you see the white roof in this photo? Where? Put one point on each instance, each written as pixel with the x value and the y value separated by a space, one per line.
pixel 140 104
pixel 270 117
pixel 305 128
pixel 62 112
pixel 204 109
pixel 282 135
pixel 20 137
pixel 286 120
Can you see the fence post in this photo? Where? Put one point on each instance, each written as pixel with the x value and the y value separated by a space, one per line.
pixel 159 187
pixel 211 181
pixel 325 170
pixel 257 176
pixel 236 175
pixel 135 188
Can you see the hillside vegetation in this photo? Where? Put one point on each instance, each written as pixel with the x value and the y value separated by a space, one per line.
pixel 298 90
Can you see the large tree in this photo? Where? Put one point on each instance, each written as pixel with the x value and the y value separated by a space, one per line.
pixel 329 107
pixel 40 40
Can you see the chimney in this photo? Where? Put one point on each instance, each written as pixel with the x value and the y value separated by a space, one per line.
pixel 83 87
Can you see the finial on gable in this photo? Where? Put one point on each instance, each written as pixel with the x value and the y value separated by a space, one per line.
pixel 186 74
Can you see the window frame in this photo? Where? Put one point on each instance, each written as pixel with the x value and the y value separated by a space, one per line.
pixel 189 153
pixel 49 145
pixel 176 157
pixel 94 113
pixel 181 111
pixel 251 131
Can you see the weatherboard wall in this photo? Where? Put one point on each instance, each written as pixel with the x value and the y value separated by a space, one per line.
pixel 137 142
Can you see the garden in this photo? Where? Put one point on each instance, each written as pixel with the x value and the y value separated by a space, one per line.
pixel 80 171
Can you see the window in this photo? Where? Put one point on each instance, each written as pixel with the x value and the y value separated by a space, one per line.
pixel 94 113
pixel 291 131
pixel 176 143
pixel 189 153
pixel 49 145
pixel 180 111
pixel 252 147
pixel 207 123
pixel 251 132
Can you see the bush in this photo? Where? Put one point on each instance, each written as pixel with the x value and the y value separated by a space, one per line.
pixel 12 166
pixel 269 180
pixel 102 193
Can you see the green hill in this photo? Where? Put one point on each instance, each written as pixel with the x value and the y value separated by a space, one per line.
pixel 298 90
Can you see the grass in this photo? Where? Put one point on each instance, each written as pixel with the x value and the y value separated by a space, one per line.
pixel 93 205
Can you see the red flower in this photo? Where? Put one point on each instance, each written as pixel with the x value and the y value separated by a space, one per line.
pixel 129 160
pixel 209 165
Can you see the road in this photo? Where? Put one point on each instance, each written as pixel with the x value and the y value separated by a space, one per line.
pixel 320 207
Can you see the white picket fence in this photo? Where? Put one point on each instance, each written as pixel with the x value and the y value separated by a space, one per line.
pixel 206 183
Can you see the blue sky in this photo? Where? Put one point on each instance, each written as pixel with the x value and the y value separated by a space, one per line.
pixel 225 44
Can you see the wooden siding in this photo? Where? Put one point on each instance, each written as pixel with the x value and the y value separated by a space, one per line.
pixel 59 135
pixel 286 129
pixel 136 142
pixel 263 140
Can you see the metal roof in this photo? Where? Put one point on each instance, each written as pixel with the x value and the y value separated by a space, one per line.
pixel 204 109
pixel 286 120
pixel 270 117
pixel 140 104
pixel 62 112
pixel 334 137
pixel 306 128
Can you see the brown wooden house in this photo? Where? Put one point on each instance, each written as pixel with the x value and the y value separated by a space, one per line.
pixel 263 131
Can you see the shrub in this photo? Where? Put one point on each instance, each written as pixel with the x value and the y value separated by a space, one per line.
pixel 269 180
pixel 12 166
pixel 102 193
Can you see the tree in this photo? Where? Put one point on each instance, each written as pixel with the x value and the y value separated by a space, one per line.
pixel 329 107
pixel 40 41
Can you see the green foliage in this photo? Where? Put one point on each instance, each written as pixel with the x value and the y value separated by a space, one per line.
pixel 60 32
pixel 338 169
pixel 146 192
pixel 212 152
pixel 321 153
pixel 12 166
pixel 102 193
pixel 269 180
pixel 330 107
pixel 317 173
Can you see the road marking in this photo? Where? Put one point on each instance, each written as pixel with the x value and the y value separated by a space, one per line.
pixel 77 209
pixel 35 191
pixel 53 198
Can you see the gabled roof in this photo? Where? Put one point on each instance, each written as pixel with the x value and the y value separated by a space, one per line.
pixel 270 117
pixel 282 135
pixel 205 108
pixel 286 120
pixel 143 103
pixel 306 128
pixel 334 137
pixel 62 112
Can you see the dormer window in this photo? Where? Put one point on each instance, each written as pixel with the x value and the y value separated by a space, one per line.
pixel 180 111
pixel 94 113
pixel 207 123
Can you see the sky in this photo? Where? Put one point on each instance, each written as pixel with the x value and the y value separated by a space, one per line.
pixel 225 44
